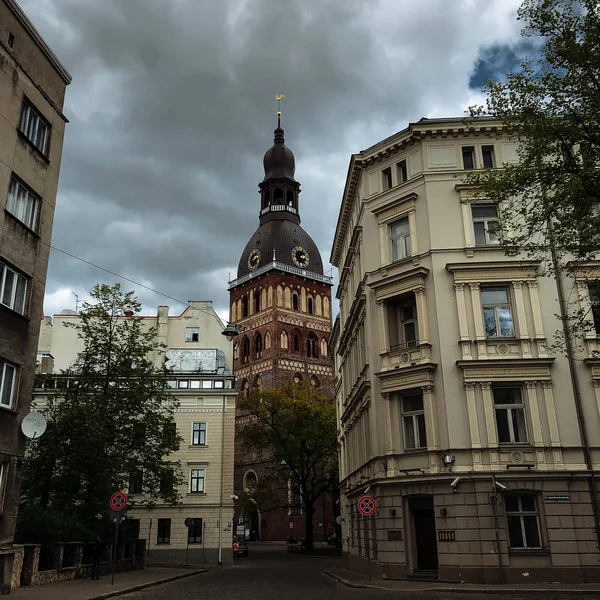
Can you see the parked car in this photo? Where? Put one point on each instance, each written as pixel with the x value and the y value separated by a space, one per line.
pixel 242 546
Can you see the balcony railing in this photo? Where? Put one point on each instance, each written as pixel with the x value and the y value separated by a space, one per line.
pixel 275 265
pixel 278 208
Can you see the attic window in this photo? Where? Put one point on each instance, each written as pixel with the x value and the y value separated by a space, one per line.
pixel 11 40
pixel 386 176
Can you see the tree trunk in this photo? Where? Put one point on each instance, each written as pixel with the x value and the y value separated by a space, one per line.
pixel 308 530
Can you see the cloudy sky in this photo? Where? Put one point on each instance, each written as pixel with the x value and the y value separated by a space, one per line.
pixel 172 107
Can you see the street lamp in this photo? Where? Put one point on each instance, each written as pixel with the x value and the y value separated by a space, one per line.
pixel 230 331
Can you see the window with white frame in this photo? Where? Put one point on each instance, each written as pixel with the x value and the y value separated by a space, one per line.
pixel 594 291
pixel 402 171
pixel 34 126
pixel 523 521
pixel 510 414
pixel 386 178
pixel 22 204
pixel 192 334
pixel 8 374
pixel 400 239
pixel 197 481
pixel 485 224
pixel 403 325
pixel 163 534
pixel 468 157
pixel 497 312
pixel 13 289
pixel 198 434
pixel 413 421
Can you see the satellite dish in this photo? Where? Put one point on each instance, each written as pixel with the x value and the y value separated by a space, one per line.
pixel 33 425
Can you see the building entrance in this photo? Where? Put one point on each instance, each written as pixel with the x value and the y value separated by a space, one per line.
pixel 424 539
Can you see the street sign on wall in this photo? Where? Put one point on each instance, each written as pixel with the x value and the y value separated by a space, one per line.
pixel 366 505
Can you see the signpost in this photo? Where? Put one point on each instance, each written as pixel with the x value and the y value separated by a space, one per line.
pixel 118 502
pixel 366 507
pixel 189 522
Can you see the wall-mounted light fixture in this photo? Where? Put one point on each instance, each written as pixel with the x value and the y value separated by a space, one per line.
pixel 448 459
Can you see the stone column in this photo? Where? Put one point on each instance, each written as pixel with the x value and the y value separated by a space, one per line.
pixel 31 563
pixel 431 425
pixel 57 555
pixel 553 425
pixel 522 319
pixel 463 325
pixel 472 412
pixel 534 411
pixel 387 415
pixel 382 321
pixel 478 319
pixel 490 417
pixel 422 320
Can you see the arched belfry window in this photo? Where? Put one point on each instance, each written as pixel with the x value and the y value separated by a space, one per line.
pixel 310 306
pixel 290 198
pixel 245 349
pixel 257 303
pixel 258 346
pixel 312 346
pixel 295 302
pixel 244 306
pixel 278 196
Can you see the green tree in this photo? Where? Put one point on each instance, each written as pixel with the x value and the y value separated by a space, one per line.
pixel 109 419
pixel 295 429
pixel 551 107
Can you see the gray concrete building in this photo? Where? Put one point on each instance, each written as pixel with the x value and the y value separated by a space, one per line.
pixel 453 412
pixel 32 125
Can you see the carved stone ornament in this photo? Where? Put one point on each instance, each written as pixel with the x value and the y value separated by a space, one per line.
pixel 485 385
pixel 502 348
pixel 405 357
pixel 530 384
pixel 517 285
pixel 517 457
pixel 474 285
pixel 469 385
pixel 459 287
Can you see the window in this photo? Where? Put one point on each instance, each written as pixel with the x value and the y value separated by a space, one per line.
pixel 11 40
pixel 256 301
pixel 192 334
pixel 22 204
pixel 171 431
pixel 485 224
pixel 197 481
pixel 163 535
pixel 135 483
pixel 244 306
pixel 195 531
pixel 510 415
pixel 400 239
pixel 487 153
pixel 13 288
pixel 34 126
pixel 7 384
pixel 497 312
pixel 386 176
pixel 312 345
pixel 309 306
pixel 402 171
pixel 167 481
pixel 402 318
pixel 296 342
pixel 523 521
pixel 295 301
pixel 198 434
pixel 413 421
pixel 594 290
pixel 258 345
pixel 245 350
pixel 468 157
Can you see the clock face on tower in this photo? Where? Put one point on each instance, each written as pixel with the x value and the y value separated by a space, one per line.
pixel 254 259
pixel 300 257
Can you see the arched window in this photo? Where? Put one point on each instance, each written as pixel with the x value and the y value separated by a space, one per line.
pixel 256 301
pixel 258 345
pixel 312 346
pixel 250 481
pixel 296 341
pixel 309 305
pixel 295 303
pixel 284 340
pixel 290 198
pixel 258 384
pixel 244 388
pixel 245 349
pixel 314 381
pixel 244 306
pixel 297 378
pixel 267 340
pixel 278 196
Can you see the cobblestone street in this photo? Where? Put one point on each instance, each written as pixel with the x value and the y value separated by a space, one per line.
pixel 270 574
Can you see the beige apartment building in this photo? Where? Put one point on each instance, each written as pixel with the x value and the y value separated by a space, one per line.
pixel 453 414
pixel 200 360
pixel 32 125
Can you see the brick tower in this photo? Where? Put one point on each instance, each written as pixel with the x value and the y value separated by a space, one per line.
pixel 281 303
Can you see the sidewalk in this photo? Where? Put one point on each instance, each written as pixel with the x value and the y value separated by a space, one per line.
pixel 86 589
pixel 354 580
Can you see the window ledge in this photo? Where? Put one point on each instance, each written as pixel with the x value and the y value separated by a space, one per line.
pixel 194 446
pixel 18 221
pixel 529 552
pixel 196 494
pixel 9 409
pixel 43 156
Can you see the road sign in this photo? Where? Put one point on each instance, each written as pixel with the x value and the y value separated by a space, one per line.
pixel 240 520
pixel 367 505
pixel 118 501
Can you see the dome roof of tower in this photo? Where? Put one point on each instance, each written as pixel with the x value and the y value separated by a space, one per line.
pixel 279 161
pixel 283 236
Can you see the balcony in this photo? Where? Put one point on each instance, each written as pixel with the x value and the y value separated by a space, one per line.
pixel 406 355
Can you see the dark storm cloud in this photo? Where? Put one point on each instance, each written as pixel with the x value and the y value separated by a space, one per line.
pixel 172 108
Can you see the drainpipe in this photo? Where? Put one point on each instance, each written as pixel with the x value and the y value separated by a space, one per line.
pixel 587 454
pixel 222 476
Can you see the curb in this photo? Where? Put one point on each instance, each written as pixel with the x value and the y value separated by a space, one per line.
pixel 465 590
pixel 148 584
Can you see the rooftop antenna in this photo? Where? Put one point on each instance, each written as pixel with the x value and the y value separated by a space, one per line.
pixel 279 98
pixel 76 302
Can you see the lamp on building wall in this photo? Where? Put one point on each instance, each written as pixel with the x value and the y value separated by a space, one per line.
pixel 448 459
pixel 231 330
